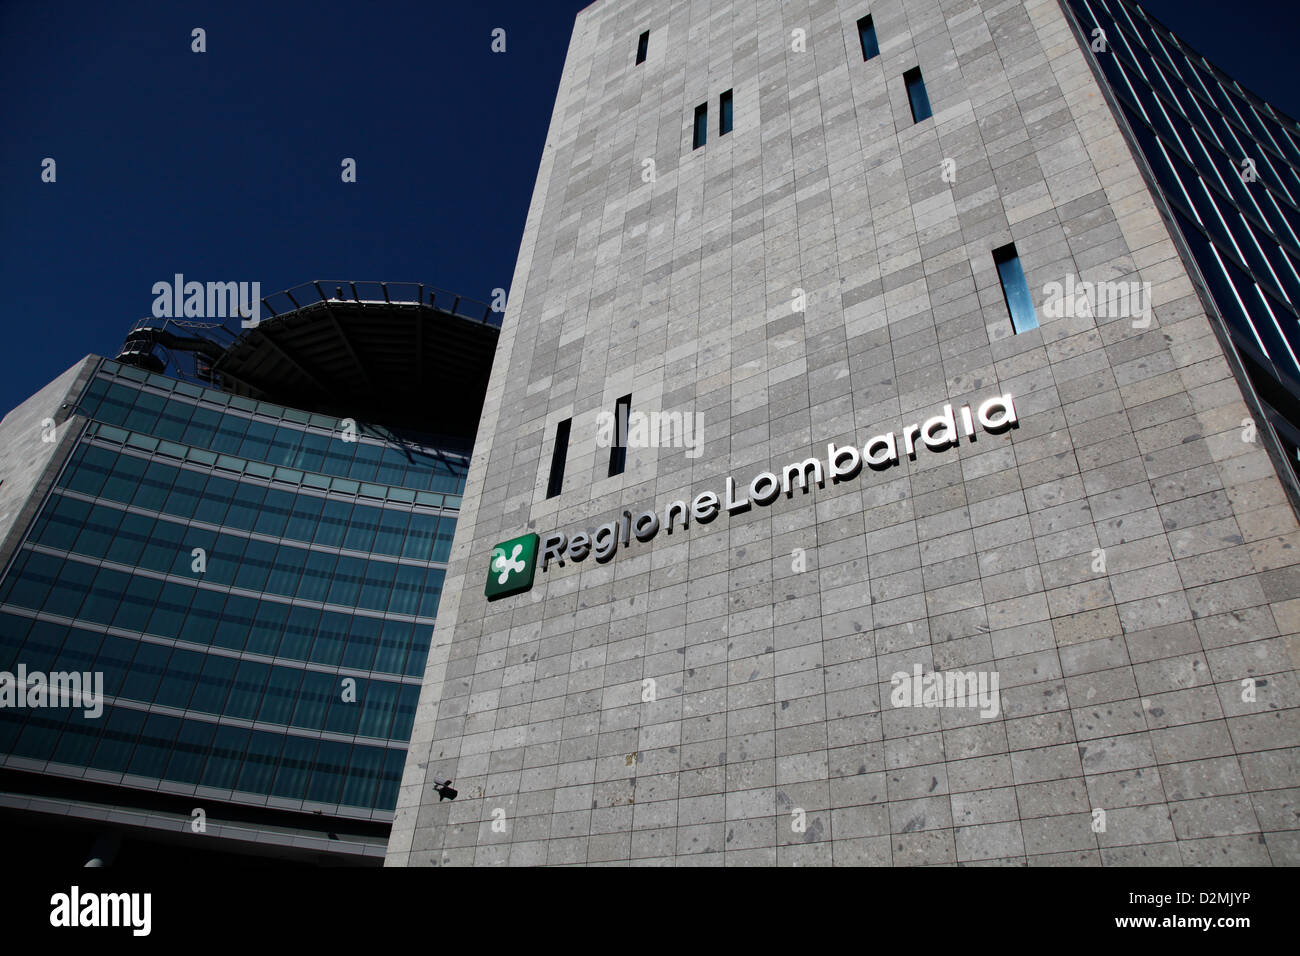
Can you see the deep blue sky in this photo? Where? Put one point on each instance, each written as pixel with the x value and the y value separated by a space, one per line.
pixel 225 165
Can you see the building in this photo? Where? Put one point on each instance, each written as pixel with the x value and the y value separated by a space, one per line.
pixel 1224 167
pixel 1015 578
pixel 248 552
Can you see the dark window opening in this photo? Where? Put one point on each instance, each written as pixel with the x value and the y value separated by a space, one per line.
pixel 1015 289
pixel 558 457
pixel 724 111
pixel 916 95
pixel 618 448
pixel 867 37
pixel 701 125
pixel 642 47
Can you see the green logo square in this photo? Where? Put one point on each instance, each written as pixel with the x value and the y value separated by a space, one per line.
pixel 510 569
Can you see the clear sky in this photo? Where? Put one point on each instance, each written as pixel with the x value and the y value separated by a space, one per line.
pixel 225 165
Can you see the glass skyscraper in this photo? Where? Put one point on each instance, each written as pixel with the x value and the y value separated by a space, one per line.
pixel 256 583
pixel 1226 165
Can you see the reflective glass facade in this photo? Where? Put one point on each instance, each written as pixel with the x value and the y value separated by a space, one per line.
pixel 258 586
pixel 1228 166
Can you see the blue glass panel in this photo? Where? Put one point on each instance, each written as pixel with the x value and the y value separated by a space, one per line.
pixel 302 521
pixel 867 38
pixel 391 781
pixel 246 696
pixel 89 474
pixel 154 746
pixel 78 741
pixel 177 685
pixel 394 642
pixel 190 752
pixel 186 491
pixel 268 626
pixel 170 609
pixel 214 682
pixel 331 635
pixel 79 651
pixel 114 660
pixel 281 692
pixel 132 536
pixel 98 532
pixel 343 714
pixel 121 728
pixel 236 623
pixel 327 774
pixel 363 776
pixel 333 523
pixel 146 672
pixel 40 734
pixel 432 592
pixel 44 640
pixel 245 506
pixel 121 484
pixel 442 543
pixel 275 513
pixel 202 427
pixel 154 486
pixel 299 632
pixel 255 565
pixel 65 518
pixel 105 593
pixel 377 585
pixel 363 641
pixel 228 747
pixel 205 613
pixel 313 697
pixel 294 769
pixel 917 97
pixel 259 762
pixel 377 709
pixel 418 655
pixel 1016 291
pixel 406 590
pixel 420 535
pixel 346 582
pixel 137 603
pixel 216 500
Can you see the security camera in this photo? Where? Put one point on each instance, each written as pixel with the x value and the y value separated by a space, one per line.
pixel 443 788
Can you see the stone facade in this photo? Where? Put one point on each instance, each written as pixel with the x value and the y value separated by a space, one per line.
pixel 1122 560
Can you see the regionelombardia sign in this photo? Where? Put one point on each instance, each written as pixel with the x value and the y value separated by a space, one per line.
pixel 512 563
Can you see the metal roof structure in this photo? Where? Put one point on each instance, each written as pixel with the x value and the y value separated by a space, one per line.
pixel 405 355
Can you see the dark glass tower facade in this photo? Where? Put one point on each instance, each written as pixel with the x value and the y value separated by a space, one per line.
pixel 257 585
pixel 1226 164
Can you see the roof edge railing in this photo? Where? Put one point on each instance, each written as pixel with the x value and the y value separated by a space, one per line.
pixel 369 292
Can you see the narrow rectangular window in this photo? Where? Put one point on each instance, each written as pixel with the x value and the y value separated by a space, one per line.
pixel 1015 289
pixel 618 448
pixel 724 111
pixel 642 46
pixel 701 125
pixel 916 94
pixel 558 456
pixel 867 37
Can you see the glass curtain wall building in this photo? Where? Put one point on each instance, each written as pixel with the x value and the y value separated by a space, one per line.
pixel 256 584
pixel 1226 164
